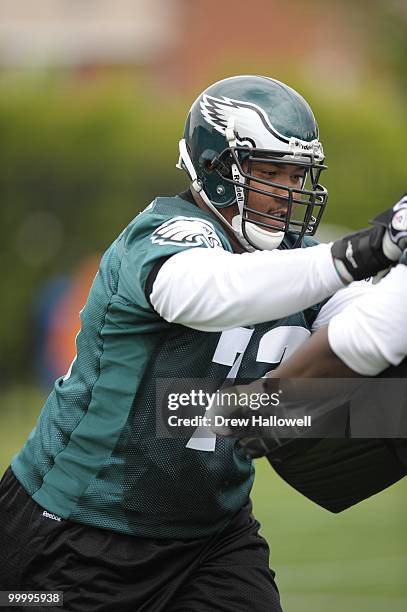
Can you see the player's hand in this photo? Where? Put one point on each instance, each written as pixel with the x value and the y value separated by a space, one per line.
pixel 231 418
pixel 371 250
pixel 394 221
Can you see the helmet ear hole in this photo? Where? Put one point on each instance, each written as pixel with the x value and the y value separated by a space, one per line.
pixel 206 160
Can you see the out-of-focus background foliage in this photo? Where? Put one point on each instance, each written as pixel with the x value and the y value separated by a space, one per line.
pixel 93 97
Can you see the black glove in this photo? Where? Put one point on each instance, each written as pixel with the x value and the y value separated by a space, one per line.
pixel 370 250
pixel 298 410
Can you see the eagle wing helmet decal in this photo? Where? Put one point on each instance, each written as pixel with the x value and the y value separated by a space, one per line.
pixel 249 119
pixel 253 128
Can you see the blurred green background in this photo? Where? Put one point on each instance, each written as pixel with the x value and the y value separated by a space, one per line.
pixel 93 98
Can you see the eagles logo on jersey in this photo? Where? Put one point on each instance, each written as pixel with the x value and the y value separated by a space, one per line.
pixel 186 231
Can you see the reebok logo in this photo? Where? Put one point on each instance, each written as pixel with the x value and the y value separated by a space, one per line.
pixel 349 255
pixel 53 517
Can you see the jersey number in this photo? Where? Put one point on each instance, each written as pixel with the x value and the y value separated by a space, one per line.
pixel 275 346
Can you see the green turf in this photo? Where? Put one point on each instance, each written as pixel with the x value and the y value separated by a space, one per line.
pixel 355 561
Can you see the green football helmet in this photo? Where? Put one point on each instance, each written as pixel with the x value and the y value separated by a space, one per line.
pixel 247 119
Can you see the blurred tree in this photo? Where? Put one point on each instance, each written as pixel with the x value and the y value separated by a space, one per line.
pixel 383 25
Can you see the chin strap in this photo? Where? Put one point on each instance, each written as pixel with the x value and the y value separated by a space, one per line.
pixel 263 239
pixel 237 230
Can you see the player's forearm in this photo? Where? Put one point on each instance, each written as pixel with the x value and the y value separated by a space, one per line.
pixel 213 290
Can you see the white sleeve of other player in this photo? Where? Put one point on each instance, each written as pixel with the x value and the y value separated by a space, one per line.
pixel 339 301
pixel 213 290
pixel 371 334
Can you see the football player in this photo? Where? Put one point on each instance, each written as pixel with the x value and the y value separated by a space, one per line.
pixel 216 282
pixel 366 339
pixel 363 340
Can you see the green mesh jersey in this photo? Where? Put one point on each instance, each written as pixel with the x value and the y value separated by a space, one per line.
pixel 93 456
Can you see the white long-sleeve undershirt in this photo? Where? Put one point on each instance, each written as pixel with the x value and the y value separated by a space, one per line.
pixel 214 290
pixel 371 333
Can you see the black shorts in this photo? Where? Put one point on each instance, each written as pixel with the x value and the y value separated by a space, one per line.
pixel 105 571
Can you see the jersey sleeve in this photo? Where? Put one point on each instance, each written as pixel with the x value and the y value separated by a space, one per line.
pixel 154 238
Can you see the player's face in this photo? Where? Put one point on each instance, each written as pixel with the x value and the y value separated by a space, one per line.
pixel 286 175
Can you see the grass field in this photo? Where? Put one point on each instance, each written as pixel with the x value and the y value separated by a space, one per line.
pixel 355 561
